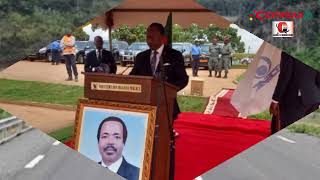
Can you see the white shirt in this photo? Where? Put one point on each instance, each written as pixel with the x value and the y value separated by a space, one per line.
pixel 97 53
pixel 114 167
pixel 158 55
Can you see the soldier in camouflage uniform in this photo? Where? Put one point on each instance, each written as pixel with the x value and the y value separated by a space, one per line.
pixel 214 52
pixel 224 62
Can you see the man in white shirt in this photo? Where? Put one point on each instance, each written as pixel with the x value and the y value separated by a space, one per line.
pixel 112 136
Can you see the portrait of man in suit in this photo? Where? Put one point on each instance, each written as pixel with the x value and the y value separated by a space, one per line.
pixel 112 136
pixel 297 92
pixel 100 59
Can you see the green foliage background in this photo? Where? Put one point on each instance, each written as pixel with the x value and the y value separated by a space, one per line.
pixel 27 25
pixel 138 34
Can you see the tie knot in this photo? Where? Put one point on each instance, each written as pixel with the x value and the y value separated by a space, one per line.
pixel 155 53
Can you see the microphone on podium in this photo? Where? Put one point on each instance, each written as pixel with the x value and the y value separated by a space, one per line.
pixel 124 70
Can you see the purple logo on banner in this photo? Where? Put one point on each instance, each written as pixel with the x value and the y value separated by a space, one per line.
pixel 265 73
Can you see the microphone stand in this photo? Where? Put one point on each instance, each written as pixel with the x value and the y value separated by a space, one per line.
pixel 162 77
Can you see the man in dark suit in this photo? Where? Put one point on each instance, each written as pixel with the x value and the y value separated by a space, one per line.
pixel 297 93
pixel 148 63
pixel 112 136
pixel 100 60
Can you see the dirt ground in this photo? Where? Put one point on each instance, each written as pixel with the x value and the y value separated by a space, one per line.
pixel 48 120
pixel 45 119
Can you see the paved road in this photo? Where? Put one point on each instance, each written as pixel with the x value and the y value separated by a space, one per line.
pixel 283 156
pixel 35 156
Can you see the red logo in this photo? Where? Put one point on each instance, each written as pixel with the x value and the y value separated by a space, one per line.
pixel 262 15
pixel 282 27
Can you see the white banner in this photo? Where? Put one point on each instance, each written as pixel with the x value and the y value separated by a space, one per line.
pixel 254 93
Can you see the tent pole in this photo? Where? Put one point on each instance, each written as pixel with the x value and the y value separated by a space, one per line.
pixel 110 38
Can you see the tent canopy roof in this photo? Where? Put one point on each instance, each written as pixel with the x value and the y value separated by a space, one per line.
pixel 184 13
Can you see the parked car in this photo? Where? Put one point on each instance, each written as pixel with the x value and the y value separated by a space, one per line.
pixel 45 52
pixel 118 48
pixel 130 54
pixel 204 58
pixel 185 49
pixel 80 51
pixel 246 60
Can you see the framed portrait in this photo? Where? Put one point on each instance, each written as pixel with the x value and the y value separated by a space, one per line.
pixel 118 136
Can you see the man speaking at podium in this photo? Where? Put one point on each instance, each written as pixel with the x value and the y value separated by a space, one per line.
pixel 148 63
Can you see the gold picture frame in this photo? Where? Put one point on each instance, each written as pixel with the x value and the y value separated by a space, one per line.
pixel 145 169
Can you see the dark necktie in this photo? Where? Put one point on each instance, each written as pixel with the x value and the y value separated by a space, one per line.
pixel 153 62
pixel 99 55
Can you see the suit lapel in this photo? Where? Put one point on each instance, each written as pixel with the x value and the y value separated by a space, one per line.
pixel 123 168
pixel 164 54
pixel 147 61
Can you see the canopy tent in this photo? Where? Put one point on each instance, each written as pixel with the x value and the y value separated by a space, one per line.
pixel 145 12
pixel 184 13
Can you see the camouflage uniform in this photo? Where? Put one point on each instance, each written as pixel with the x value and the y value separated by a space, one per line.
pixel 214 51
pixel 224 62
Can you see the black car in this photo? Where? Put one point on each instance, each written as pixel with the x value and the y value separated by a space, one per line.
pixel 118 47
pixel 130 54
pixel 204 58
pixel 45 52
pixel 185 49
pixel 80 50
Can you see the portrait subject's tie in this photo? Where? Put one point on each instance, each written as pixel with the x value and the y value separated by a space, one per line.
pixel 153 62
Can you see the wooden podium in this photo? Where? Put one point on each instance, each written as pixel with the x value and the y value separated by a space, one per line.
pixel 140 90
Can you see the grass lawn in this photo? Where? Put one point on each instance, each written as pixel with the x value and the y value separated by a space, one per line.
pixel 63 134
pixel 306 128
pixel 39 92
pixel 68 95
pixel 264 115
pixel 4 114
pixel 192 103
pixel 309 125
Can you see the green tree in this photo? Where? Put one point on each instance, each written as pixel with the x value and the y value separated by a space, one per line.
pixel 130 35
pixel 80 35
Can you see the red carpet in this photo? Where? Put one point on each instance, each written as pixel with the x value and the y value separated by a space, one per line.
pixel 205 141
pixel 223 106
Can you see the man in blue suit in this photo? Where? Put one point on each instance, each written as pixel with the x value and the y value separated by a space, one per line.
pixel 112 135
